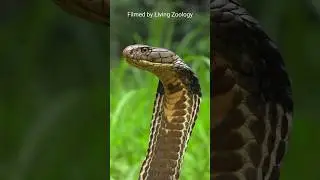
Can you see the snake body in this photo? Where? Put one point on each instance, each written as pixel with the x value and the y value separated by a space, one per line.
pixel 252 96
pixel 175 109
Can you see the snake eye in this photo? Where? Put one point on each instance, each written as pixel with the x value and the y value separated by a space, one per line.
pixel 144 49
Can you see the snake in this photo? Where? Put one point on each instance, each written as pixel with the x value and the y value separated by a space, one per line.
pixel 251 96
pixel 175 109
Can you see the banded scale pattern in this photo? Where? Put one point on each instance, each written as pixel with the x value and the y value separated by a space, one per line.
pixel 252 103
pixel 175 110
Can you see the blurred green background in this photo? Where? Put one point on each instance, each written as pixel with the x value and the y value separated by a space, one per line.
pixel 53 94
pixel 54 88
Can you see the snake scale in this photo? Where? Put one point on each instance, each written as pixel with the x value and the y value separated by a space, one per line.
pixel 251 97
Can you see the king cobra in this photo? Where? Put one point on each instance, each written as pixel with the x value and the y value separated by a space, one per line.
pixel 251 97
pixel 174 113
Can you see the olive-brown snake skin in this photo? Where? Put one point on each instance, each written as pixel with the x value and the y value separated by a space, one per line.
pixel 251 99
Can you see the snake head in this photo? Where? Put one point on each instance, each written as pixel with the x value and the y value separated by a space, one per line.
pixel 149 58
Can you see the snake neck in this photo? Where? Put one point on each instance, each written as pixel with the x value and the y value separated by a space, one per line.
pixel 175 111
